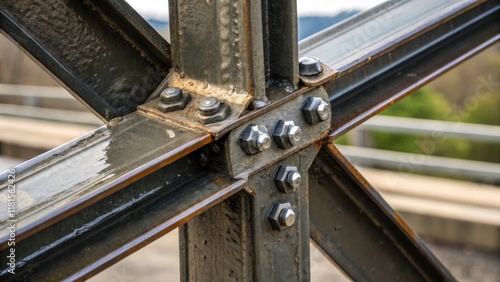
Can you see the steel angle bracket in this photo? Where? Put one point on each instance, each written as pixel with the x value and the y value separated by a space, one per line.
pixel 235 101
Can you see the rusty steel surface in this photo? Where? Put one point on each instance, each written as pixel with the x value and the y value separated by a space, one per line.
pixel 359 231
pixel 107 194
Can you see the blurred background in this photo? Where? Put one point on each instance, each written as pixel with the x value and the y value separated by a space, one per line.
pixel 434 156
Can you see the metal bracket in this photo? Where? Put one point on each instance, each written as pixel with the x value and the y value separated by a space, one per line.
pixel 234 102
pixel 241 164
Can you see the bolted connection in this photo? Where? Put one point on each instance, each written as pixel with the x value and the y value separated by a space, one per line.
pixel 171 94
pixel 173 99
pixel 286 134
pixel 211 109
pixel 209 106
pixel 287 179
pixel 281 216
pixel 316 110
pixel 309 66
pixel 255 139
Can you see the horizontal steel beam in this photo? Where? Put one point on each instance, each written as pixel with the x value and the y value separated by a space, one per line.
pixel 69 178
pixel 388 52
pixel 359 231
pixel 108 56
pixel 117 225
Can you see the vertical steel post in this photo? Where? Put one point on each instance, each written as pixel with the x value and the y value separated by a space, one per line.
pixel 247 45
pixel 220 42
pixel 235 240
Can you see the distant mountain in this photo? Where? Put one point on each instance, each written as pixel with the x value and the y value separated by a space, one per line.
pixel 307 25
pixel 310 25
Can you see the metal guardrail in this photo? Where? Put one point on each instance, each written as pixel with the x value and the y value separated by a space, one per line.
pixel 43 103
pixel 362 154
pixel 414 126
pixel 423 164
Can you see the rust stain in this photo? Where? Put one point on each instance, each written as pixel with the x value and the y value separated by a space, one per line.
pixel 228 94
pixel 405 226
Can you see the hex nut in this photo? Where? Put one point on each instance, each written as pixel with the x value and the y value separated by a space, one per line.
pixel 287 179
pixel 255 139
pixel 212 110
pixel 171 102
pixel 309 66
pixel 281 216
pixel 316 110
pixel 209 106
pixel 286 134
pixel 171 94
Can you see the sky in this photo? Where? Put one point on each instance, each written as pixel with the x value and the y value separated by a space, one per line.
pixel 158 9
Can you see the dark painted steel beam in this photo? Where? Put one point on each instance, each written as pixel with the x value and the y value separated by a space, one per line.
pixel 117 225
pixel 359 231
pixel 390 51
pixel 219 42
pixel 128 183
pixel 72 177
pixel 102 51
pixel 281 42
pixel 235 240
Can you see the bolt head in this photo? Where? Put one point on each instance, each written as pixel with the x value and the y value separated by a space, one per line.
pixel 220 115
pixel 171 94
pixel 287 217
pixel 171 105
pixel 316 110
pixel 281 216
pixel 323 111
pixel 263 142
pixel 255 139
pixel 257 104
pixel 209 106
pixel 293 179
pixel 294 134
pixel 287 179
pixel 286 134
pixel 309 66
